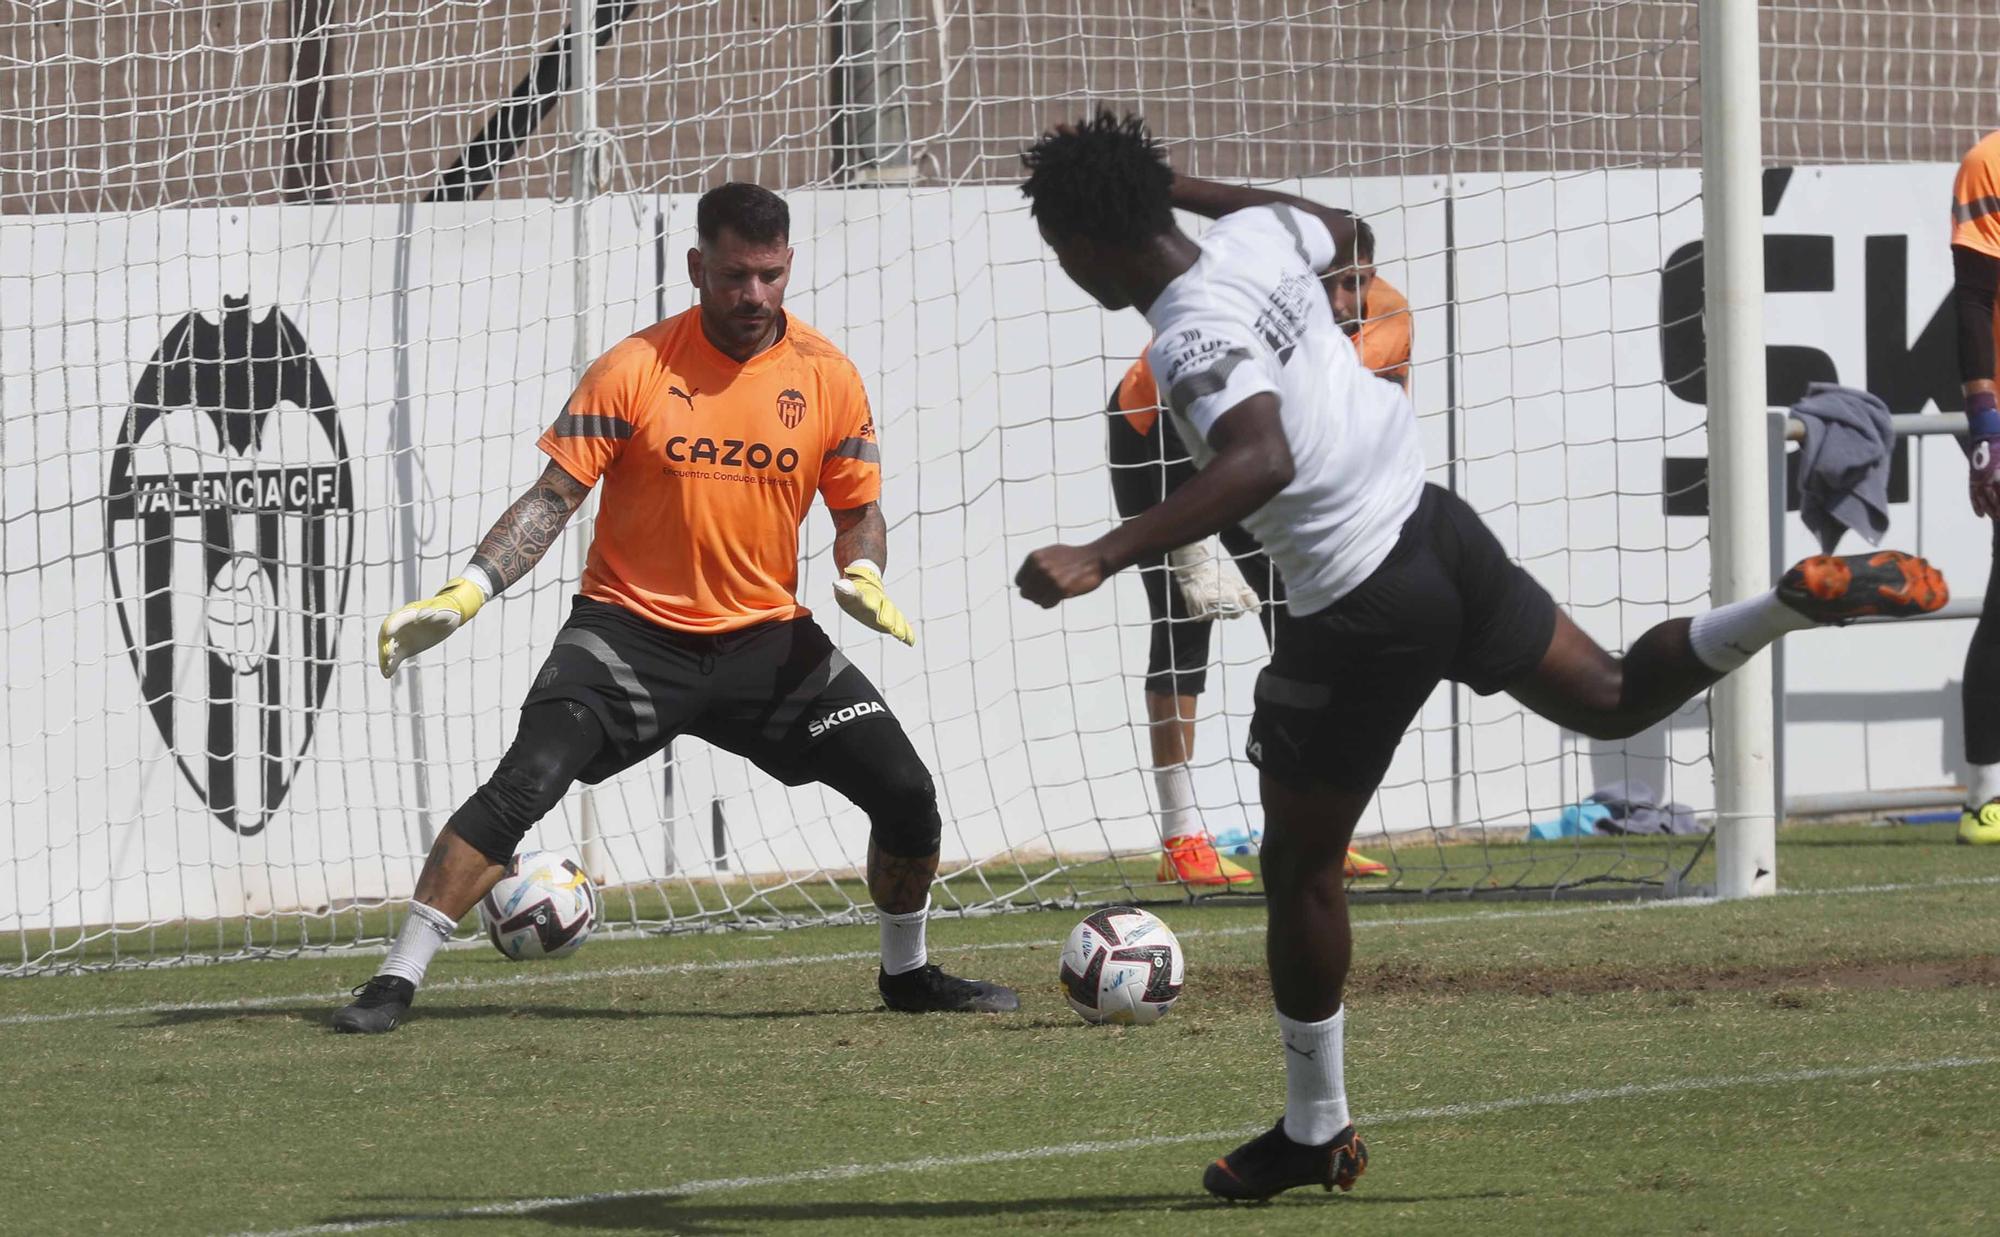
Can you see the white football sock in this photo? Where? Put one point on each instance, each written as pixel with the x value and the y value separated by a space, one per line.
pixel 425 930
pixel 903 939
pixel 1727 636
pixel 1315 1092
pixel 1982 786
pixel 1178 818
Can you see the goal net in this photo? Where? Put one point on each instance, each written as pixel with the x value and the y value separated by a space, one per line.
pixel 288 289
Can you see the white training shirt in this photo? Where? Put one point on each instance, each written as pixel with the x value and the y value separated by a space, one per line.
pixel 1249 317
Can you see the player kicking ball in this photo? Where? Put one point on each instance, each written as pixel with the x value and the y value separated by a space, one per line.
pixel 711 432
pixel 1394 584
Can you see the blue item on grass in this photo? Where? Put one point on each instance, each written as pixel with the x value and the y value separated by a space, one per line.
pixel 1239 840
pixel 1946 816
pixel 1578 820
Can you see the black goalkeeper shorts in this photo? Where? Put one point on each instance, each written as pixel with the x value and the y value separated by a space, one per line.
pixel 1145 468
pixel 770 693
pixel 1345 682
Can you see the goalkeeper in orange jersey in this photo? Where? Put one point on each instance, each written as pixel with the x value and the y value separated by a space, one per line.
pixel 711 433
pixel 1188 589
pixel 1975 260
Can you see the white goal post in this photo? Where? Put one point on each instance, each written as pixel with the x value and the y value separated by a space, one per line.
pixel 288 287
pixel 1746 794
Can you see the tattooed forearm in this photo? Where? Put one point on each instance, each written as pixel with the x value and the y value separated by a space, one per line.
pixel 520 538
pixel 860 532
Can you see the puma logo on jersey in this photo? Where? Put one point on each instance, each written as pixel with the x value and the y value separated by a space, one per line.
pixel 730 453
pixel 842 716
pixel 686 395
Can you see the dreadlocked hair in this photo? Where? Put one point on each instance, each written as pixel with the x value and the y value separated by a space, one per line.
pixel 1103 179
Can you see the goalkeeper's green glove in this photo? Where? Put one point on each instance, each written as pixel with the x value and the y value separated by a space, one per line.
pixel 859 592
pixel 419 625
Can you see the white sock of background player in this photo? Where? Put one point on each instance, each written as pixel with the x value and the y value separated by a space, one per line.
pixel 1178 817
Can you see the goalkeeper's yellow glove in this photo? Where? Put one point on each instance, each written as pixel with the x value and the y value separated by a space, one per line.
pixel 859 592
pixel 419 625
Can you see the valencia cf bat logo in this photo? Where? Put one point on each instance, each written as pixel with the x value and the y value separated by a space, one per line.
pixel 230 530
pixel 791 408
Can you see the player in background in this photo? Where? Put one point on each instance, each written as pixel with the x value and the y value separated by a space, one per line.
pixel 1393 584
pixel 1975 263
pixel 711 432
pixel 1194 585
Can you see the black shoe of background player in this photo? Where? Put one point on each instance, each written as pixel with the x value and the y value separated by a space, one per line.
pixel 1272 1163
pixel 929 990
pixel 378 1006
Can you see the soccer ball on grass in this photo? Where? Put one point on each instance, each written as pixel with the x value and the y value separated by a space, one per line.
pixel 543 907
pixel 1122 965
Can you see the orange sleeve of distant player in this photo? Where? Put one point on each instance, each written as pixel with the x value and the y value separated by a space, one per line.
pixel 1386 334
pixel 852 473
pixel 1138 397
pixel 1975 198
pixel 602 414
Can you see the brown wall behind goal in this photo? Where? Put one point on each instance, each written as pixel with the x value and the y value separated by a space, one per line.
pixel 125 106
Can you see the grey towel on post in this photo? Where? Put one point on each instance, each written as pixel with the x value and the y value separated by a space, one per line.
pixel 1635 809
pixel 1844 464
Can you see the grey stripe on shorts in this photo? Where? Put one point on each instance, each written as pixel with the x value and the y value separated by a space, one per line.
pixel 645 719
pixel 1290 693
pixel 805 693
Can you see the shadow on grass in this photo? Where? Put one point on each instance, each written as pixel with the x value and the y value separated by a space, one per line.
pixel 323 1015
pixel 686 1215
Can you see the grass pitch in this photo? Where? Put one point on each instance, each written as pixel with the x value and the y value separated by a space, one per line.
pixel 1823 1061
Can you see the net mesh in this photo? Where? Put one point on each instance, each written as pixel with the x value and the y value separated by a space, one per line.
pixel 252 247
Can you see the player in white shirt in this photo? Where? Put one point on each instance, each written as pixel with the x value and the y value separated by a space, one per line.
pixel 1394 584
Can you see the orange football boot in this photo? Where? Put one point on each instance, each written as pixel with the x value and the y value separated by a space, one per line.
pixel 1831 589
pixel 1192 861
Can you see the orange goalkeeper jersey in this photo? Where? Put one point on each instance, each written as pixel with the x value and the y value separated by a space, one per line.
pixel 1385 334
pixel 1975 205
pixel 1975 198
pixel 709 466
pixel 1383 342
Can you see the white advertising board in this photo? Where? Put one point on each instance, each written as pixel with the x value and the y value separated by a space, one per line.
pixel 185 734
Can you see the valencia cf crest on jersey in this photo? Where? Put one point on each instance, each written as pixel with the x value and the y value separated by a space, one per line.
pixel 791 408
pixel 230 531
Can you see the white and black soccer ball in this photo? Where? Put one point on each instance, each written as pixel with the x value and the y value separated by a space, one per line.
pixel 545 906
pixel 1122 965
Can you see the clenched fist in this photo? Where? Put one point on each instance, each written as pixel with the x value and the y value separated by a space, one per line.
pixel 1056 573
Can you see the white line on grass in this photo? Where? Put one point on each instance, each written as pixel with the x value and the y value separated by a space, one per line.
pixel 723 966
pixel 933 1163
